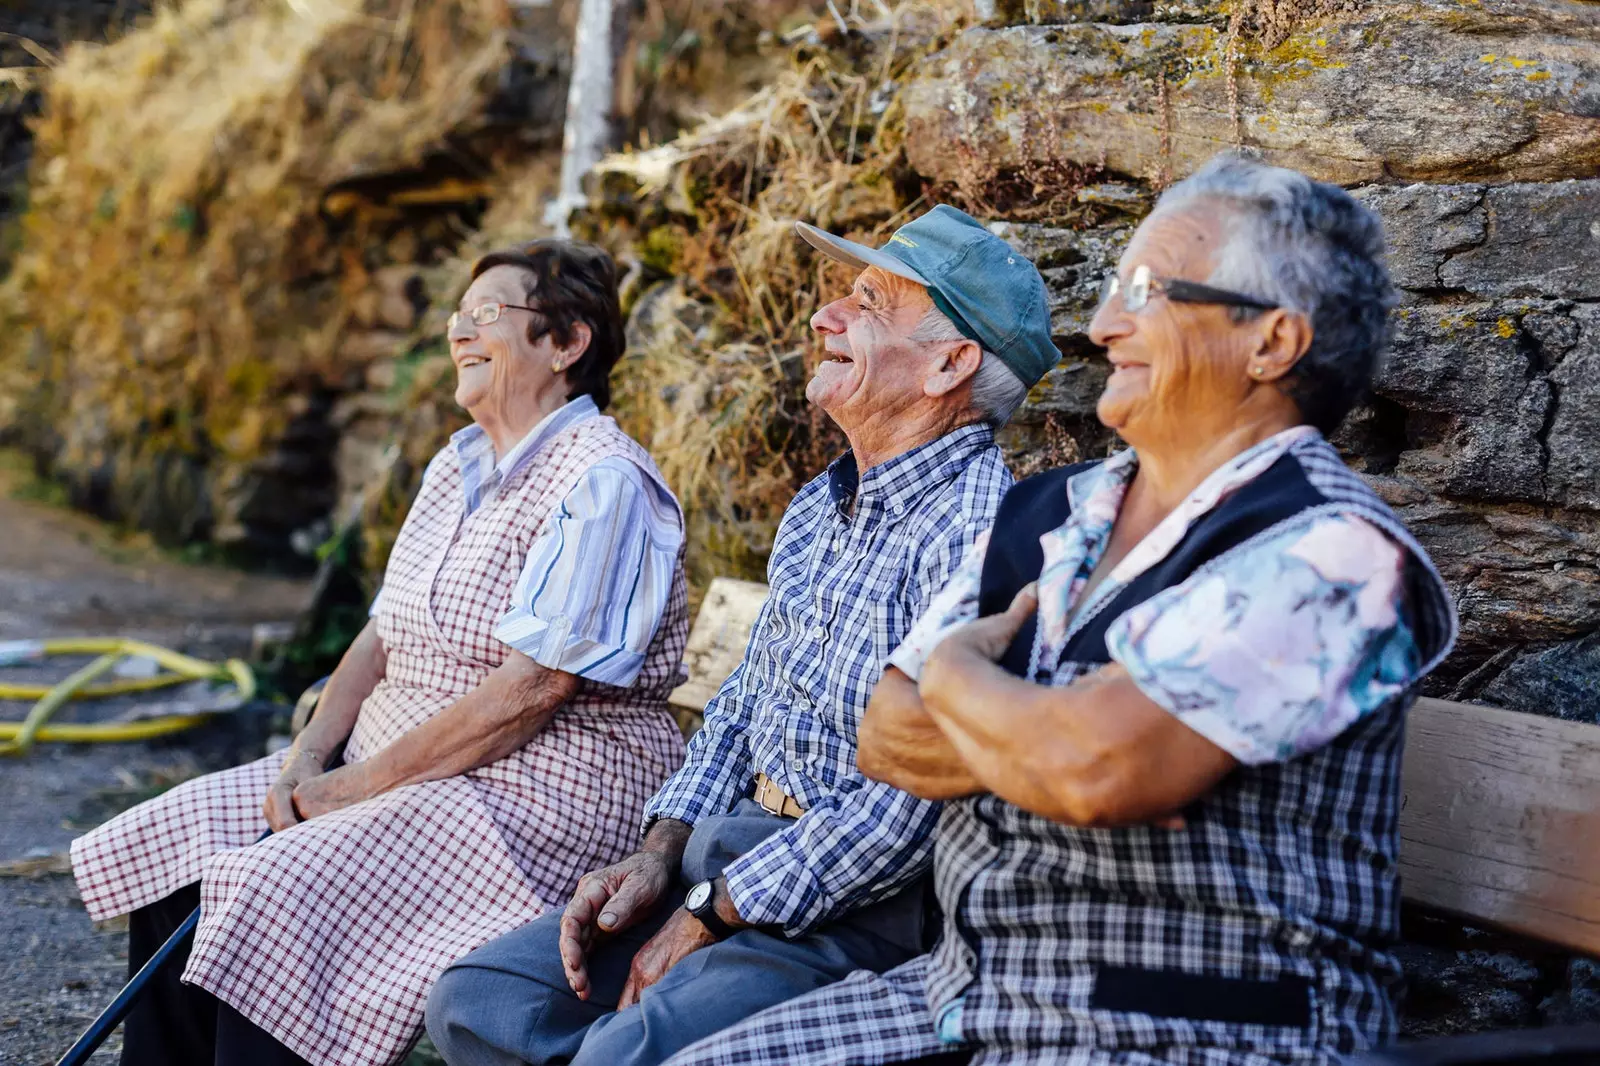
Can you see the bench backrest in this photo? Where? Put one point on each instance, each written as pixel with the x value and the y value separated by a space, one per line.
pixel 1500 821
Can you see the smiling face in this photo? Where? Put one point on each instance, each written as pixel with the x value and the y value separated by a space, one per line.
pixel 872 368
pixel 1173 364
pixel 500 376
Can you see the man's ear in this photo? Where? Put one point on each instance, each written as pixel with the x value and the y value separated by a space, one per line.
pixel 953 368
pixel 1282 338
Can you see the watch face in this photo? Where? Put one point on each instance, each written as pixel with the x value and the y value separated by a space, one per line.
pixel 699 896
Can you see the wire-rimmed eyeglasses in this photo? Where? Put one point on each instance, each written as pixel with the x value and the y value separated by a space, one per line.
pixel 1142 284
pixel 485 314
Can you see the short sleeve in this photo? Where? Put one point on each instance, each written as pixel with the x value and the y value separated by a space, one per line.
pixel 596 582
pixel 1283 645
pixel 377 603
pixel 954 605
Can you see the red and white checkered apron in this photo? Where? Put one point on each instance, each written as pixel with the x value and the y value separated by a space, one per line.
pixel 330 934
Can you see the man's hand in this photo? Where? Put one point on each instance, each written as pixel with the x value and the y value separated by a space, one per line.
pixel 683 935
pixel 330 791
pixel 609 901
pixel 300 767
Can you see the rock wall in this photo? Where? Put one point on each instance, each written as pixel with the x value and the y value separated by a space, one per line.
pixel 1473 129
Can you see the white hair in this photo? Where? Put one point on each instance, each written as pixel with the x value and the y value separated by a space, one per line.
pixel 1309 247
pixel 996 391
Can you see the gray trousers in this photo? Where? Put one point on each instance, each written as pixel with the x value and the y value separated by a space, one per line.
pixel 508 1002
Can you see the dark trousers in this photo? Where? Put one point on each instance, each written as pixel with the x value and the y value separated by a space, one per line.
pixel 174 1024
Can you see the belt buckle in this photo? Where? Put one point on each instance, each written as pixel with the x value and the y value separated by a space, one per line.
pixel 765 787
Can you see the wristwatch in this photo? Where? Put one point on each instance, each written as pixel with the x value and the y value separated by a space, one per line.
pixel 702 903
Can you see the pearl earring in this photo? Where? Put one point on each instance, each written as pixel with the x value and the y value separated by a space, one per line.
pixel 1258 370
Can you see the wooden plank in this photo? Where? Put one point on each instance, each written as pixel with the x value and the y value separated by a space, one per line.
pixel 1500 820
pixel 718 639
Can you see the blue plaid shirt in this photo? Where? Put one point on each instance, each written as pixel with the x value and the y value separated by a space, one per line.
pixel 847 583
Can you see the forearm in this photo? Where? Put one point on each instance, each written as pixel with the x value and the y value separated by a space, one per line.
pixel 506 711
pixel 858 844
pixel 1097 752
pixel 902 745
pixel 363 665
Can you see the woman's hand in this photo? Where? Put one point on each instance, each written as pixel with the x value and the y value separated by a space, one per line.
pixel 984 638
pixel 330 791
pixel 300 767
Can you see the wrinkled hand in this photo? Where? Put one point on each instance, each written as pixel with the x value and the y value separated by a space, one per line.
pixel 683 935
pixel 330 791
pixel 987 637
pixel 300 767
pixel 609 901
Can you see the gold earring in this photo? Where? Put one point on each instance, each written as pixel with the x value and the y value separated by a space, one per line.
pixel 555 366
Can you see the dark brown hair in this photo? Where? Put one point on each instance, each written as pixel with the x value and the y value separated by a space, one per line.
pixel 572 282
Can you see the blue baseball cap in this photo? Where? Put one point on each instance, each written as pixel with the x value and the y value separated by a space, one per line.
pixel 990 290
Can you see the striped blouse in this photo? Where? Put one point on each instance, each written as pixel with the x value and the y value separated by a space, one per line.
pixel 598 578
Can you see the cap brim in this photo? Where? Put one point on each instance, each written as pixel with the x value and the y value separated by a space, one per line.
pixel 857 255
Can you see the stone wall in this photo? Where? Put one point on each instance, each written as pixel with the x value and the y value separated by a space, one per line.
pixel 1473 129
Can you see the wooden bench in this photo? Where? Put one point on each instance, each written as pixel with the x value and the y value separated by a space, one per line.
pixel 1499 822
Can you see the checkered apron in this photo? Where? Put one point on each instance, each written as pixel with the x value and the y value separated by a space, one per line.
pixel 330 934
pixel 1286 870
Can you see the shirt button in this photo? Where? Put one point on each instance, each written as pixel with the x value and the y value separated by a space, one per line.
pixel 799 766
pixel 818 632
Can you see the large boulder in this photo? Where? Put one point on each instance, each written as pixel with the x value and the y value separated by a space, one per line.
pixel 1407 89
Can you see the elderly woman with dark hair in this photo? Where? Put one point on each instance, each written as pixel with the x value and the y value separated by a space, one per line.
pixel 1165 698
pixel 503 718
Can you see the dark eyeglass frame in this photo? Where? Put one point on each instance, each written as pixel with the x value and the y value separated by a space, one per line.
pixel 1174 289
pixel 480 317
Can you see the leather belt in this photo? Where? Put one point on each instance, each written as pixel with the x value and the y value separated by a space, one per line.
pixel 775 800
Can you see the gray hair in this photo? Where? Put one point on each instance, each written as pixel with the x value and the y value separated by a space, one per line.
pixel 1310 247
pixel 996 391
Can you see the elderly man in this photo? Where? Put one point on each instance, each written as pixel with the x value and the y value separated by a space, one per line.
pixel 797 869
pixel 1164 698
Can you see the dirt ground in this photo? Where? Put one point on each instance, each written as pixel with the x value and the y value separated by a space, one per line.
pixel 62 574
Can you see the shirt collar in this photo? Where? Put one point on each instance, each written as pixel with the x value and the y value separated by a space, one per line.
pixel 1096 495
pixel 896 484
pixel 475 451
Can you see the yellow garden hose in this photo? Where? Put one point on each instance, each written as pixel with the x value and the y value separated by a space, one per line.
pixel 17 737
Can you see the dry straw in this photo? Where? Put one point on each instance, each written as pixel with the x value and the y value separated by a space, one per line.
pixel 178 279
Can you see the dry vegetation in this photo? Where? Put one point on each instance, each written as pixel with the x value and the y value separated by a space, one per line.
pixel 723 290
pixel 182 269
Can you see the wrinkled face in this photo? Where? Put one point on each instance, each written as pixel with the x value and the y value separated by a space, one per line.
pixel 1173 364
pixel 871 367
pixel 497 369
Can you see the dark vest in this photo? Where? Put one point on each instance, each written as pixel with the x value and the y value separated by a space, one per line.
pixel 1263 926
pixel 1039 504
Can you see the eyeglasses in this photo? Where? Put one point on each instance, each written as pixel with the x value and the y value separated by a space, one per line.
pixel 1143 284
pixel 485 314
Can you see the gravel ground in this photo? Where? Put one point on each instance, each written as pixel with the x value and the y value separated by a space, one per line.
pixel 63 575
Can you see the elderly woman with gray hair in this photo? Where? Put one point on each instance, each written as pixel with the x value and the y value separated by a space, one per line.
pixel 1164 699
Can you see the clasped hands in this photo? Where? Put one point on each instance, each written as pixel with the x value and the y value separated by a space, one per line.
pixel 305 790
pixel 618 897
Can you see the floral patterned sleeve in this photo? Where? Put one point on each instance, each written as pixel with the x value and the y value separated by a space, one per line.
pixel 951 606
pixel 1281 647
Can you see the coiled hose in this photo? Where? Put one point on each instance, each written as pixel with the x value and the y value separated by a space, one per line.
pixel 17 738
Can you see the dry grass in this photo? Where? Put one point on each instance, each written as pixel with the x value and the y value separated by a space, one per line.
pixel 719 354
pixel 178 276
